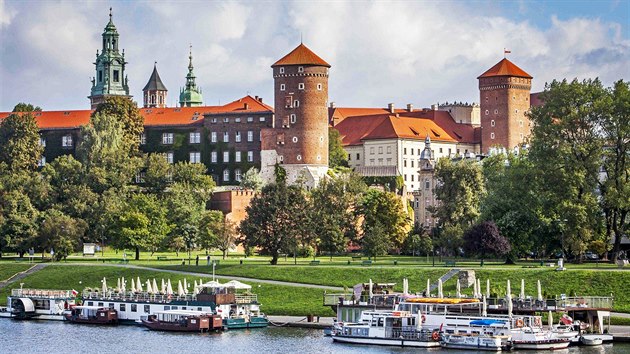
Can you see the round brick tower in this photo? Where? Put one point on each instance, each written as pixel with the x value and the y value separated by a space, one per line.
pixel 301 114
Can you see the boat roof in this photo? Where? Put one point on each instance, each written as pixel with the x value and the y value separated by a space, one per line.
pixel 388 313
pixel 486 322
pixel 91 307
pixel 184 312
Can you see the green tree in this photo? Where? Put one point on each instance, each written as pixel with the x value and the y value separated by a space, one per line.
pixel 19 226
pixel 459 190
pixel 252 179
pixel 567 153
pixel 277 218
pixel 387 210
pixel 337 156
pixel 194 177
pixel 60 233
pixel 184 212
pixel 376 240
pixel 418 242
pixel 158 174
pixel 19 142
pixel 26 107
pixel 450 239
pixel 126 113
pixel 218 232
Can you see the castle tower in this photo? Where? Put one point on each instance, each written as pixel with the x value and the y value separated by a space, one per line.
pixel 423 196
pixel 154 91
pixel 190 95
pixel 110 64
pixel 301 116
pixel 504 99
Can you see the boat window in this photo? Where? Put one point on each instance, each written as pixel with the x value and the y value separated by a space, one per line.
pixel 199 309
pixel 100 304
pixel 380 322
pixel 183 307
pixel 147 308
pixel 174 308
pixel 166 308
pixel 450 331
pixel 123 307
pixel 111 305
pixel 90 303
pixel 134 308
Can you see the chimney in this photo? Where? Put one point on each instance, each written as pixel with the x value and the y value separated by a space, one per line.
pixel 246 105
pixel 332 105
pixel 256 98
pixel 390 107
pixel 259 99
pixel 409 107
pixel 434 107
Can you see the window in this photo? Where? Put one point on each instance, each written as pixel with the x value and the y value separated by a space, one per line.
pixel 213 157
pixel 226 156
pixel 349 157
pixel 411 151
pixel 487 111
pixel 295 139
pixel 516 111
pixel 412 164
pixel 169 157
pixel 405 178
pixel 250 119
pixel 520 124
pixel 492 123
pixel 226 137
pixel 213 137
pixel 412 176
pixel 389 149
pixel 237 137
pixel 195 138
pixel 214 120
pixel 300 69
pixel 301 86
pixel 404 163
pixel 296 103
pixel 195 157
pixel 319 87
pixel 380 149
pixel 358 156
pixel 405 151
pixel 250 156
pixel 147 308
pixel 116 76
pixel 100 76
pixel 123 307
pixel 226 120
pixel 372 150
pixel 293 118
pixel 237 156
pixel 237 175
pixel 42 161
pixel 449 151
pixel 134 307
pixel 167 138
pixel 140 177
pixel 261 119
pixel 299 157
pixel 237 120
pixel 226 175
pixel 143 139
pixel 250 136
pixel 440 150
pixel 42 141
pixel 522 136
pixel 66 141
pixel 282 87
pixel 491 135
pixel 281 70
pixel 427 184
pixel 496 111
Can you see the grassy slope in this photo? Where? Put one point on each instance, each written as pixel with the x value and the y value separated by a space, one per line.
pixel 580 282
pixel 276 300
pixel 8 270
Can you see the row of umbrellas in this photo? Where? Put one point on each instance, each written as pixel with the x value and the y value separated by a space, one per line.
pixel 166 287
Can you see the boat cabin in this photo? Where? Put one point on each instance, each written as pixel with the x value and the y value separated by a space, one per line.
pixel 92 314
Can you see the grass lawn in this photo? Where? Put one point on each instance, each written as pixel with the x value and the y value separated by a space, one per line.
pixel 275 300
pixel 8 270
pixel 579 282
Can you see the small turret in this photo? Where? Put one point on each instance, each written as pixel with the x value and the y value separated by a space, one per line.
pixel 190 95
pixel 155 91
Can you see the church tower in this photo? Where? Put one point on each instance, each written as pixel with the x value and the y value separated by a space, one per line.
pixel 423 196
pixel 504 99
pixel 154 91
pixel 190 96
pixel 110 64
pixel 301 117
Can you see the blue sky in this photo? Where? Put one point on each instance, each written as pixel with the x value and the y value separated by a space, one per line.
pixel 418 52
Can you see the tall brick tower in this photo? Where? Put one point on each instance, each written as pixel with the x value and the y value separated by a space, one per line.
pixel 504 99
pixel 299 140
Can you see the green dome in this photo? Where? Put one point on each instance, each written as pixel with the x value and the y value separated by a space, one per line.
pixel 190 97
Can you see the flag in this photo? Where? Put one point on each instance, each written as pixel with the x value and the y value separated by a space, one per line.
pixel 74 292
pixel 505 51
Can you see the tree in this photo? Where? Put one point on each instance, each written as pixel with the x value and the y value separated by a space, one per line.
pixel 485 240
pixel 19 226
pixel 141 224
pixel 60 232
pixel 418 242
pixel 126 113
pixel 20 148
pixel 194 177
pixel 337 156
pixel 449 238
pixel 567 151
pixel 386 210
pixel 335 200
pixel 376 240
pixel 158 174
pixel 218 232
pixel 459 190
pixel 252 179
pixel 26 107
pixel 276 220
pixel 184 212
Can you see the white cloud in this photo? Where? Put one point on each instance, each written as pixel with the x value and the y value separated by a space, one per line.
pixel 380 52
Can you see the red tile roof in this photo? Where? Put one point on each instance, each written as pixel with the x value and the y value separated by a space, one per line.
pixel 505 68
pixel 439 125
pixel 301 56
pixel 152 116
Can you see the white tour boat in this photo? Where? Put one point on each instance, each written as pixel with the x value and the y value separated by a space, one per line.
pixel 472 342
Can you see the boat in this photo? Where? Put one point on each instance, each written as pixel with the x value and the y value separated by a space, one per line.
pixel 472 342
pixel 235 303
pixel 183 321
pixel 391 328
pixel 92 315
pixel 591 340
pixel 42 304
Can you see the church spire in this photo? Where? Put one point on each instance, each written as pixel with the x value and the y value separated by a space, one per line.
pixel 110 64
pixel 154 91
pixel 190 95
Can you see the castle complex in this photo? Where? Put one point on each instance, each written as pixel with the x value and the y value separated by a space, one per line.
pixel 246 133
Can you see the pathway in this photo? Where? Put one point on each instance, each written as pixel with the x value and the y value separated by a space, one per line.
pixel 20 275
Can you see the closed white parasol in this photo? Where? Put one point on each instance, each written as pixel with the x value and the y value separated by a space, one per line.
pixel 237 285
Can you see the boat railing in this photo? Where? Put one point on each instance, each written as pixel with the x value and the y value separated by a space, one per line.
pixel 135 296
pixel 553 304
pixel 350 299
pixel 246 299
pixel 42 293
pixel 406 333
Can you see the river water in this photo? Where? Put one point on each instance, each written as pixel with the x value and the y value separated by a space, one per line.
pixel 58 337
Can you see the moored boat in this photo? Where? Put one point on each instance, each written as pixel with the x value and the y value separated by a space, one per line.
pixel 472 342
pixel 183 321
pixel 592 340
pixel 92 315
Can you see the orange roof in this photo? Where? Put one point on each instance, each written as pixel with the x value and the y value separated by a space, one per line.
pixel 439 125
pixel 301 56
pixel 152 116
pixel 505 68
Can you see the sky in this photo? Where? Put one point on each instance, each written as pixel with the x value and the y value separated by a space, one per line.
pixel 419 52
